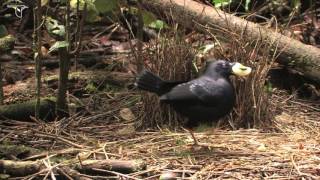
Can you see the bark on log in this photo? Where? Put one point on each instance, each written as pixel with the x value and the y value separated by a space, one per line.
pixel 23 111
pixel 301 57
pixel 16 151
pixel 89 166
pixel 20 168
pixel 24 168
pixel 116 78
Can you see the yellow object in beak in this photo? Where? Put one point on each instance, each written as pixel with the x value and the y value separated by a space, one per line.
pixel 240 70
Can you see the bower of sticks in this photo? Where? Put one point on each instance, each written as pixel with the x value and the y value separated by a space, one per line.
pixel 123 133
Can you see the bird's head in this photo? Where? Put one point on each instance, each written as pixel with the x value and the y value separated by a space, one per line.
pixel 225 68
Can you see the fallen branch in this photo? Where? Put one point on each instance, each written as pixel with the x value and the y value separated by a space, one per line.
pixel 115 78
pixel 301 57
pixel 24 111
pixel 91 166
pixel 16 151
pixel 20 168
pixel 24 168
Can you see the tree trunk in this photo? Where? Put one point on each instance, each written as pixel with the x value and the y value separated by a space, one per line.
pixel 62 107
pixel 301 57
pixel 6 44
pixel 37 29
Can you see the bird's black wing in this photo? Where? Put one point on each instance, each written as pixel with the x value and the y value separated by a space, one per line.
pixel 205 90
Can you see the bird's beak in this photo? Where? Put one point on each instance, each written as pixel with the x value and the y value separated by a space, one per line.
pixel 240 70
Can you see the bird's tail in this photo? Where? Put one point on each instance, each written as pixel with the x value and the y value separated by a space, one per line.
pixel 150 82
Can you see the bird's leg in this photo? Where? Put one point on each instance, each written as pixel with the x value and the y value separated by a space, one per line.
pixel 195 141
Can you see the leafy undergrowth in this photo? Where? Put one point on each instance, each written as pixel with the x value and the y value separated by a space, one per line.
pixel 292 151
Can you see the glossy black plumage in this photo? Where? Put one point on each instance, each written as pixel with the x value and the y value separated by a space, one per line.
pixel 206 98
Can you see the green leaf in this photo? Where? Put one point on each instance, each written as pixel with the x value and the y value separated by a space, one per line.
pixel 3 31
pixel 60 31
pixel 73 4
pixel 57 45
pixel 92 16
pixel 54 28
pixel 92 12
pixel 104 6
pixel 268 87
pixel 247 5
pixel 44 2
pixel 158 24
pixel 295 4
pixel 148 18
pixel 204 49
pixel 220 3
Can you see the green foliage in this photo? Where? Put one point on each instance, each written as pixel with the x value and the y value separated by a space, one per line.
pixel 295 4
pixel 150 20
pixel 268 87
pixel 158 24
pixel 92 12
pixel 44 2
pixel 104 6
pixel 57 45
pixel 147 16
pixel 205 48
pixel 247 5
pixel 6 43
pixel 180 142
pixel 220 3
pixel 54 28
pixel 90 4
pixel 91 87
pixel 94 7
pixel 202 127
pixel 3 31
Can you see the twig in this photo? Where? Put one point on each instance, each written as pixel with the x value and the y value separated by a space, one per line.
pixel 298 170
pixel 116 173
pixel 59 138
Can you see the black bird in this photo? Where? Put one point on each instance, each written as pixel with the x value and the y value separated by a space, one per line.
pixel 204 99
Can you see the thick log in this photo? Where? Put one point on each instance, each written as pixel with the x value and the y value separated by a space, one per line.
pixel 116 78
pixel 20 168
pixel 16 151
pixel 23 111
pixel 301 57
pixel 24 168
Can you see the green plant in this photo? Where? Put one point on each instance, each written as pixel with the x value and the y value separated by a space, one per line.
pixel 221 3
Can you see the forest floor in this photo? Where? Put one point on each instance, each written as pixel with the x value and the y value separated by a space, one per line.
pixel 290 149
